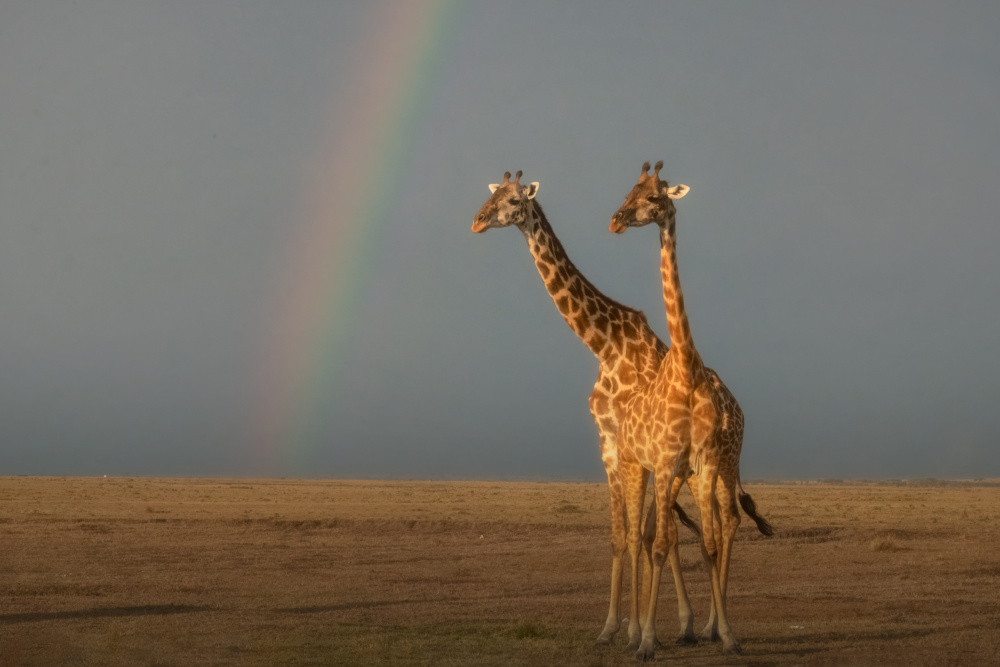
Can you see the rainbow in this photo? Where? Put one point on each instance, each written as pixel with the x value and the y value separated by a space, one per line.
pixel 369 135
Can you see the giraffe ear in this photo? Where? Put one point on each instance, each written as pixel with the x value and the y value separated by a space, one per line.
pixel 531 190
pixel 494 186
pixel 677 191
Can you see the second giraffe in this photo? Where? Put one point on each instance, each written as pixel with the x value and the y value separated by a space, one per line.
pixel 685 424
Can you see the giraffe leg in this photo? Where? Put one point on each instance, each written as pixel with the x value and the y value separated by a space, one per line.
pixel 663 484
pixel 635 494
pixel 725 533
pixel 617 551
pixel 704 433
pixel 700 487
pixel 648 536
pixel 710 632
pixel 709 551
pixel 684 613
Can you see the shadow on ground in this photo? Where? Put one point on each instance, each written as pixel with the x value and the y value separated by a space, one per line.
pixel 102 612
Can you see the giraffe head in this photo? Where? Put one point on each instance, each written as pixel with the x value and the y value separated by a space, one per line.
pixel 649 201
pixel 509 204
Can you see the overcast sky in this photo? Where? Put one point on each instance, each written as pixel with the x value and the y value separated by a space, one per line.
pixel 838 249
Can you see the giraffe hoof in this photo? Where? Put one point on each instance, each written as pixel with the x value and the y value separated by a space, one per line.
pixel 732 649
pixel 606 637
pixel 710 635
pixel 632 646
pixel 646 652
pixel 687 640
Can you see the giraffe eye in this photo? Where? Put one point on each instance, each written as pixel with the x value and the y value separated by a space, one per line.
pixel 514 201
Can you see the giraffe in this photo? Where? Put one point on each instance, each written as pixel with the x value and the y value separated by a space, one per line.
pixel 724 451
pixel 686 424
pixel 631 359
pixel 626 348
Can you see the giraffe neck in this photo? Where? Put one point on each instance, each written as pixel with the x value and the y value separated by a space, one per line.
pixel 681 343
pixel 601 323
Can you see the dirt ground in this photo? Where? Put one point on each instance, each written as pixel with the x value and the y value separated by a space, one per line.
pixel 98 571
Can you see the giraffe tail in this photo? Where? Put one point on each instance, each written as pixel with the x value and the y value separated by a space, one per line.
pixel 686 520
pixel 750 507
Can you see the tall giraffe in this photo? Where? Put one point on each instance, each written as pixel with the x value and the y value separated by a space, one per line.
pixel 685 423
pixel 648 202
pixel 724 451
pixel 626 348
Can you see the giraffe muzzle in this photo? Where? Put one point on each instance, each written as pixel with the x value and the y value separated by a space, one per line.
pixel 616 226
pixel 480 224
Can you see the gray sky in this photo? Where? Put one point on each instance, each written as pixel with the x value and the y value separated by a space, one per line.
pixel 838 249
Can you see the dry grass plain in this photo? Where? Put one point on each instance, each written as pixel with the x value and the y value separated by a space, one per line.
pixel 121 571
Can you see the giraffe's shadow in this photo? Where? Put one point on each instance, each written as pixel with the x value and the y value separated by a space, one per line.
pixel 102 612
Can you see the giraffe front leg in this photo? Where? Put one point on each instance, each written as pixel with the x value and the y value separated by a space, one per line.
pixel 613 621
pixel 648 537
pixel 684 613
pixel 635 494
pixel 662 484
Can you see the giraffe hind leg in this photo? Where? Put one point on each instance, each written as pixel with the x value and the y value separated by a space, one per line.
pixel 700 487
pixel 725 531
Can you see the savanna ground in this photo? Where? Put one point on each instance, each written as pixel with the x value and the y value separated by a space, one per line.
pixel 197 571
